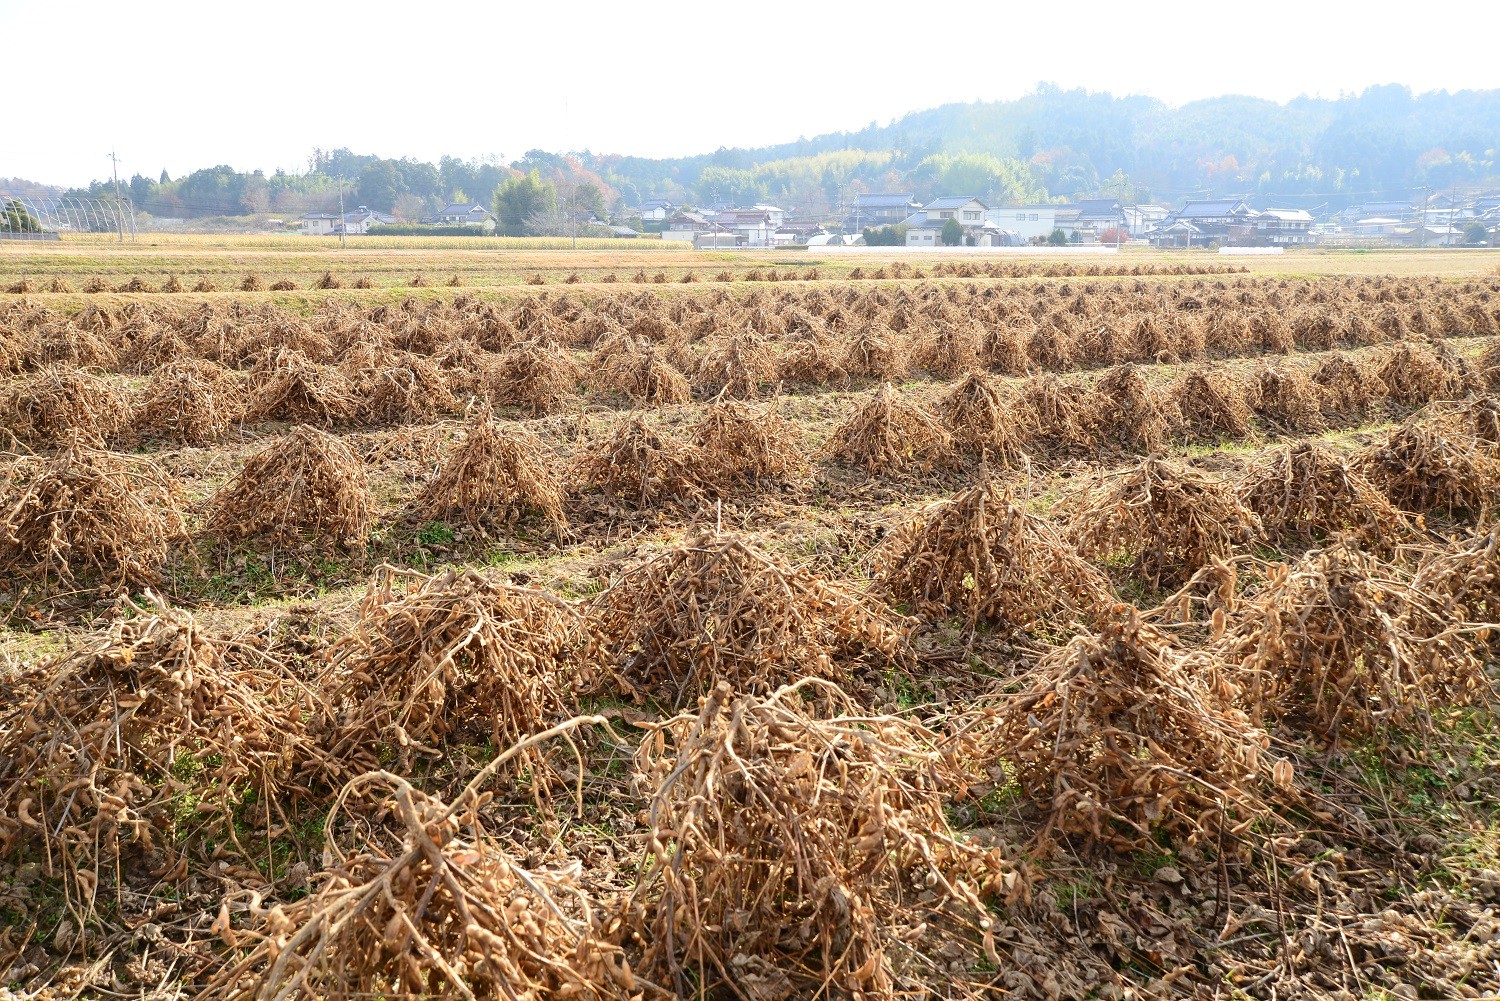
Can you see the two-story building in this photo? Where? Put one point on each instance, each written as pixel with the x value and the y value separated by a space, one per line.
pixel 969 211
pixel 464 214
pixel 656 210
pixel 358 222
pixel 1222 221
pixel 1142 219
pixel 752 227
pixel 320 223
pixel 685 227
pixel 1283 227
pixel 874 210
pixel 1099 215
pixel 1027 221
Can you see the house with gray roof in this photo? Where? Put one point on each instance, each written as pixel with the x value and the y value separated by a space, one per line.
pixel 465 214
pixel 656 210
pixel 881 209
pixel 1221 220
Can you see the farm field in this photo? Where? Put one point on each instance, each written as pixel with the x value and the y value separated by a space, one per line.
pixel 645 624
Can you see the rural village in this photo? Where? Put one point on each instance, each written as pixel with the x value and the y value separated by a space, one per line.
pixel 1438 221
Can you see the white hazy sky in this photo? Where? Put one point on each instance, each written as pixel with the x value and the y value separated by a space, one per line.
pixel 182 85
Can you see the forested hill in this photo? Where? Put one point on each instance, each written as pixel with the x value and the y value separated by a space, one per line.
pixel 1074 143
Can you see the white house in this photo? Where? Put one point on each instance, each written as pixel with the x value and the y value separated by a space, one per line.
pixel 1376 226
pixel 753 227
pixel 356 223
pixel 1142 219
pixel 967 210
pixel 1027 221
pixel 1283 227
pixel 464 214
pixel 320 223
pixel 656 210
pixel 776 215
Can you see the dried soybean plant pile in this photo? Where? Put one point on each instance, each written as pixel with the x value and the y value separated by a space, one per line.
pixel 434 662
pixel 1119 735
pixel 793 853
pixel 87 516
pixel 436 906
pixel 985 558
pixel 150 739
pixel 1352 647
pixel 308 488
pixel 1166 519
pixel 935 726
pixel 1308 491
pixel 717 607
pixel 494 478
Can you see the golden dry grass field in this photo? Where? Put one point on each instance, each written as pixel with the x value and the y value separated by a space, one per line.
pixel 639 623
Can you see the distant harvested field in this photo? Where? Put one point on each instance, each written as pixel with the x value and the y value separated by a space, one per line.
pixel 636 625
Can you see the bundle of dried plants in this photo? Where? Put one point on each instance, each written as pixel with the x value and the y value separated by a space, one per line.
pixel 792 855
pixel 888 433
pixel 494 478
pixel 1167 520
pixel 1309 492
pixel 1121 737
pixel 718 607
pixel 306 487
pixel 981 556
pixel 87 516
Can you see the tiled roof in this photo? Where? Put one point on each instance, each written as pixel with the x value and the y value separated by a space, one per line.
pixel 1203 210
pixel 952 202
pixel 883 201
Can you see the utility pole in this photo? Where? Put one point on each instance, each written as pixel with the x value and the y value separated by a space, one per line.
pixel 1422 239
pixel 343 235
pixel 114 163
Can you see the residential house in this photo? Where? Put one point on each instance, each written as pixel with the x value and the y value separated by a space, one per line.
pixel 464 214
pixel 1441 235
pixel 656 210
pixel 1401 211
pixel 797 231
pixel 1377 226
pixel 969 211
pixel 776 215
pixel 1027 221
pixel 1141 219
pixel 881 209
pixel 1176 233
pixel 1283 227
pixel 1224 220
pixel 753 227
pixel 320 223
pixel 925 228
pixel 685 226
pixel 1097 215
pixel 358 222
